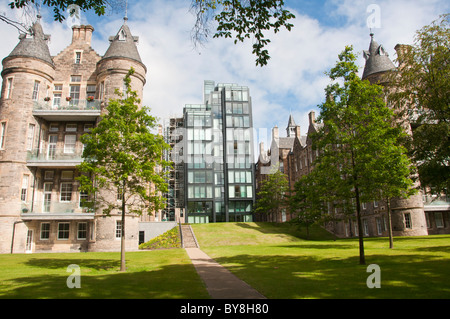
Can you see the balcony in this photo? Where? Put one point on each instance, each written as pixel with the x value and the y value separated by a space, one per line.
pixel 74 110
pixel 54 157
pixel 48 210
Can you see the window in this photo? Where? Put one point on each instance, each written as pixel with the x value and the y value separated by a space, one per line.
pixel 69 144
pixel 71 127
pixel 67 175
pixel 30 137
pixel 47 197
pixel 9 83
pixel 88 127
pixel 58 87
pixel 66 192
pixel 118 229
pixel 77 57
pixel 57 99
pixel 74 94
pixel 379 225
pixel 102 90
pixel 82 230
pixel 408 223
pixel 24 190
pixel 2 135
pixel 122 35
pixel 63 230
pixel 35 95
pixel 439 219
pixel 49 174
pixel 54 128
pixel 365 227
pixel 45 231
pixel 75 78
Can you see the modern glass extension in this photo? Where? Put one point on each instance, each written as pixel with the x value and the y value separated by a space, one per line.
pixel 218 156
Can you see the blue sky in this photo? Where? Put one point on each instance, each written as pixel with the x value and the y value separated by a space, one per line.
pixel 292 82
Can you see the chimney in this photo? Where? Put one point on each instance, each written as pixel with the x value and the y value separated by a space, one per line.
pixel 312 118
pixel 275 133
pixel 297 131
pixel 82 34
pixel 402 50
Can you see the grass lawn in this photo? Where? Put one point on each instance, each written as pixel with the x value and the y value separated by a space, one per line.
pixel 275 259
pixel 283 266
pixel 159 274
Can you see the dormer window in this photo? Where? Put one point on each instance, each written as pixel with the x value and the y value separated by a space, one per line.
pixel 122 35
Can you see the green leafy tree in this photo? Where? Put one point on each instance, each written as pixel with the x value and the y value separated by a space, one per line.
pixel 272 195
pixel 359 143
pixel 420 87
pixel 307 203
pixel 242 19
pixel 124 159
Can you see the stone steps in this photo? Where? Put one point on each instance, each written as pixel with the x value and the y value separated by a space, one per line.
pixel 189 240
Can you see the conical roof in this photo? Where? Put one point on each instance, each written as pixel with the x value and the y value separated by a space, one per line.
pixel 123 45
pixel 377 59
pixel 34 45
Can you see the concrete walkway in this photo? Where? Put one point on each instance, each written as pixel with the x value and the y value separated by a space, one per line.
pixel 219 281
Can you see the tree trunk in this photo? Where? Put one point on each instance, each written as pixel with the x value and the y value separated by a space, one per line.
pixel 122 238
pixel 362 258
pixel 391 238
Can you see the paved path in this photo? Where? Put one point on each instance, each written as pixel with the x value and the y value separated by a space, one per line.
pixel 219 281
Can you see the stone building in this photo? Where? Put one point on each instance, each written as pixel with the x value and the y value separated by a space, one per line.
pixel 47 103
pixel 414 216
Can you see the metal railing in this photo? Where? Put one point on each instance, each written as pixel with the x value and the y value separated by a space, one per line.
pixel 55 154
pixel 54 207
pixel 72 105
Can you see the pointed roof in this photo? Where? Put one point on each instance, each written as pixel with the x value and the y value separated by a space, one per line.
pixel 123 45
pixel 34 45
pixel 377 59
pixel 291 122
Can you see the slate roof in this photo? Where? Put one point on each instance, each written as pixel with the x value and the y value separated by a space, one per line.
pixel 34 46
pixel 123 45
pixel 377 59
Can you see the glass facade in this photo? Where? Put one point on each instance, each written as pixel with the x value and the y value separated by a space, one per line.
pixel 218 156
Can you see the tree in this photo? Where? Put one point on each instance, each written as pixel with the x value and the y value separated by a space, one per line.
pixel 359 143
pixel 244 18
pixel 272 195
pixel 307 202
pixel 122 158
pixel 420 87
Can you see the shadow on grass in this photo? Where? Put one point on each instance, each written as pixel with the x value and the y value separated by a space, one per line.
pixel 167 282
pixel 315 232
pixel 53 263
pixel 293 277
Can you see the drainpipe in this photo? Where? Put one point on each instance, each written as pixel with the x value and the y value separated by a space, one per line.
pixel 14 230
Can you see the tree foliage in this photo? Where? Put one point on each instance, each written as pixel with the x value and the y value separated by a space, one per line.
pixel 272 195
pixel 242 19
pixel 420 87
pixel 123 159
pixel 359 144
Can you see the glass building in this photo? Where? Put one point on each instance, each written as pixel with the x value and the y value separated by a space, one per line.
pixel 217 154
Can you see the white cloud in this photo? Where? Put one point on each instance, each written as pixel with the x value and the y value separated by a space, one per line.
pixel 292 82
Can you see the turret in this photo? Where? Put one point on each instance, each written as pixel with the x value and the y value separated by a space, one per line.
pixel 121 55
pixel 408 217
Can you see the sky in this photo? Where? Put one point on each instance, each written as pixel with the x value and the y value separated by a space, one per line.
pixel 294 80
